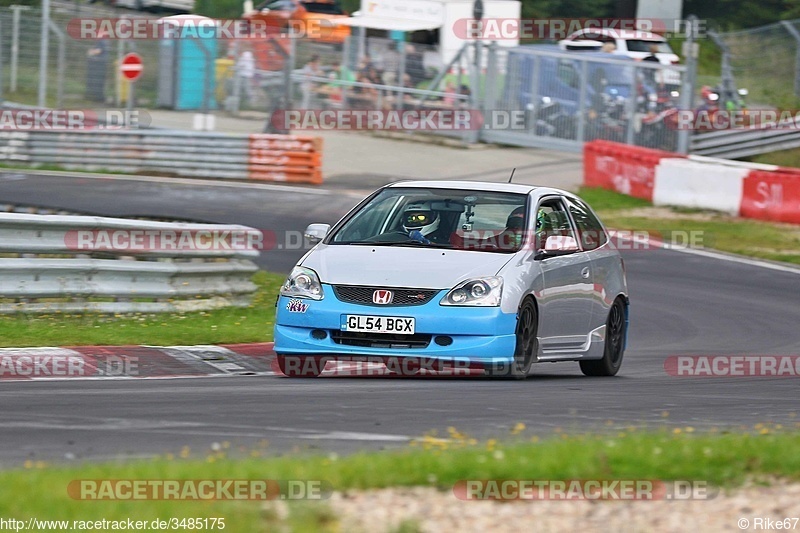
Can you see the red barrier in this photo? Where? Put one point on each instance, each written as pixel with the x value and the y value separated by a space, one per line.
pixel 772 196
pixel 621 167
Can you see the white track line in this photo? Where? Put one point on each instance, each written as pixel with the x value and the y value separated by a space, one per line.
pixel 183 181
pixel 661 245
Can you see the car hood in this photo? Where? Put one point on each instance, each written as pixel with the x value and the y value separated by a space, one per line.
pixel 401 266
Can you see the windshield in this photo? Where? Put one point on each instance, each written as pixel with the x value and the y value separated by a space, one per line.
pixel 326 8
pixel 642 45
pixel 440 218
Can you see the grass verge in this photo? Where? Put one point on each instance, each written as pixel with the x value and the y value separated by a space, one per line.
pixel 220 326
pixel 753 238
pixel 723 460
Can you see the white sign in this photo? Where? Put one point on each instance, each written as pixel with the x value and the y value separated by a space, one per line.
pixel 421 10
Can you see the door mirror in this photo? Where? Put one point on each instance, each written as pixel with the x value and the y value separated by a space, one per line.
pixel 556 245
pixel 317 232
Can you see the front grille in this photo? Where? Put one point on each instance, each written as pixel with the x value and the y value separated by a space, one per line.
pixel 381 340
pixel 363 295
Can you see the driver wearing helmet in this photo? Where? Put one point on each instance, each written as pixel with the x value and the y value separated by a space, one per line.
pixel 421 222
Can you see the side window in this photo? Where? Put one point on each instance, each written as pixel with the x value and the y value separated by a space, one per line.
pixel 552 219
pixel 280 5
pixel 367 223
pixel 590 230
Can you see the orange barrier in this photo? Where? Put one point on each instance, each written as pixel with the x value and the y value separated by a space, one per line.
pixel 623 168
pixel 287 158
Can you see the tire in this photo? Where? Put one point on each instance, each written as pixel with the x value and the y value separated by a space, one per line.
pixel 526 346
pixel 298 366
pixel 614 348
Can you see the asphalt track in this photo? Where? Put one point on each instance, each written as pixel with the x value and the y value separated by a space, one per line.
pixel 682 304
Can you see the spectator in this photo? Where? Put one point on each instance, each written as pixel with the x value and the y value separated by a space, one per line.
pixel 96 68
pixel 373 75
pixel 343 73
pixel 312 68
pixel 450 94
pixel 652 56
pixel 608 48
pixel 391 64
pixel 650 73
pixel 246 70
pixel 414 65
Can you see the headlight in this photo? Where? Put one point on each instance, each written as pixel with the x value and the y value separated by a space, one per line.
pixel 302 283
pixel 483 292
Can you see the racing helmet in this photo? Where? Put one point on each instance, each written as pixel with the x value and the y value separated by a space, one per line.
pixel 516 219
pixel 420 217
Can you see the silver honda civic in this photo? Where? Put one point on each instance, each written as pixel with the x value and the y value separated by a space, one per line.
pixel 498 276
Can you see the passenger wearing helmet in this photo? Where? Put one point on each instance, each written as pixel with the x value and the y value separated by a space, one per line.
pixel 512 236
pixel 421 222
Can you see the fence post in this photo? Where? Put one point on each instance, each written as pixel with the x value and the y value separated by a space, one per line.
pixel 16 9
pixel 44 45
pixel 630 107
pixel 535 99
pixel 687 87
pixel 796 34
pixel 2 62
pixel 291 65
pixel 62 62
pixel 400 76
pixel 728 83
pixel 490 83
pixel 582 102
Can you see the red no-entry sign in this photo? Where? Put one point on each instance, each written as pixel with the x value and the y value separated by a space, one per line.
pixel 132 66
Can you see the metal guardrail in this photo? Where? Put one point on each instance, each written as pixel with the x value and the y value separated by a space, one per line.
pixel 180 153
pixel 42 270
pixel 745 142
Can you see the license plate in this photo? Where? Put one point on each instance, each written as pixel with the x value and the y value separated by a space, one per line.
pixel 378 324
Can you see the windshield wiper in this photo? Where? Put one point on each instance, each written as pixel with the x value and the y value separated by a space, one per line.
pixel 416 243
pixel 395 243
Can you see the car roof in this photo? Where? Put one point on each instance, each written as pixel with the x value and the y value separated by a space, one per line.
pixel 571 53
pixel 487 186
pixel 626 34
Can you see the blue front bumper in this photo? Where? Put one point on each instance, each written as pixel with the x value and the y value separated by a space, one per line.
pixel 479 334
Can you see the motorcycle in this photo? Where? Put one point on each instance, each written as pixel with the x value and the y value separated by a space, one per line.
pixel 549 119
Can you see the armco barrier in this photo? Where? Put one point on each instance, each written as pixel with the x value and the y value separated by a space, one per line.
pixel 284 158
pixel 44 267
pixel 750 190
pixel 621 167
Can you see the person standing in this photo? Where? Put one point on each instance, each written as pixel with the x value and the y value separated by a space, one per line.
pixel 391 64
pixel 246 70
pixel 96 67
pixel 652 57
pixel 312 68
